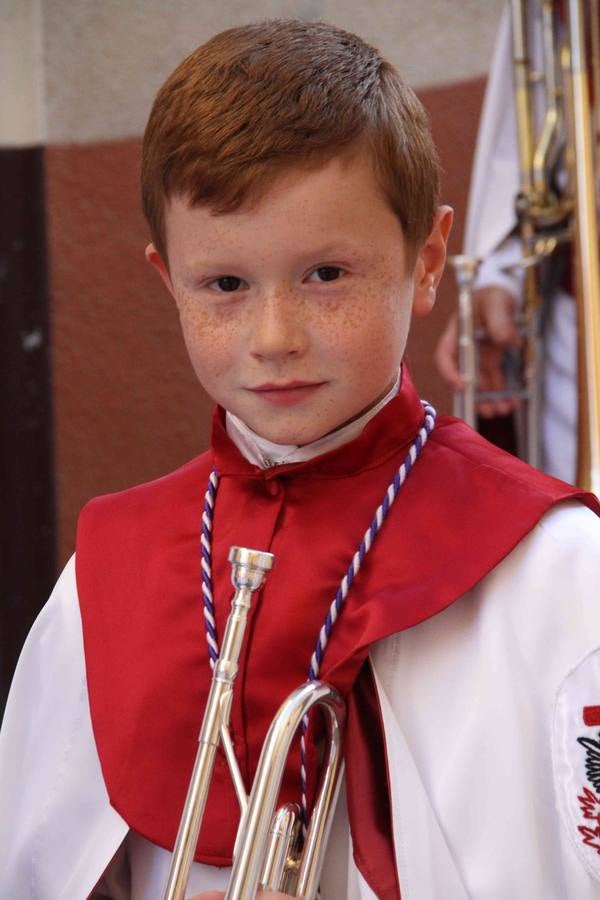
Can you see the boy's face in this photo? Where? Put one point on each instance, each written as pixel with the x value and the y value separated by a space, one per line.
pixel 295 311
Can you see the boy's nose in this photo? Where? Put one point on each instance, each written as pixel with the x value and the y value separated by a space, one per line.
pixel 278 326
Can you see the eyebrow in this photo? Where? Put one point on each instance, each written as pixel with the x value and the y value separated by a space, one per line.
pixel 337 248
pixel 224 265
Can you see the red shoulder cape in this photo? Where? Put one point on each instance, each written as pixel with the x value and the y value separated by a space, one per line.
pixel 463 508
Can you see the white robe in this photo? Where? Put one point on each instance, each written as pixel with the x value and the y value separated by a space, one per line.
pixel 476 704
pixel 491 219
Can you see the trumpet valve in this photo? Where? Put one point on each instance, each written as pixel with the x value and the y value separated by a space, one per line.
pixel 282 859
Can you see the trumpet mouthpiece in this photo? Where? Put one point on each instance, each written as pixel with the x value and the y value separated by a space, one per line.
pixel 249 567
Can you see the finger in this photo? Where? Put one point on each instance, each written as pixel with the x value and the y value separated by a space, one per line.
pixel 496 313
pixel 446 355
pixel 209 895
pixel 492 379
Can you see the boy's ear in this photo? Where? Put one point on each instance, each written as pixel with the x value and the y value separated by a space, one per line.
pixel 430 262
pixel 156 260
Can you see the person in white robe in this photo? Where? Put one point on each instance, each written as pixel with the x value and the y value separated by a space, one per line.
pixel 482 710
pixel 490 236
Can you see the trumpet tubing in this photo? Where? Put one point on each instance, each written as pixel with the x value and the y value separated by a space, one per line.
pixel 300 872
pixel 249 568
pixel 269 851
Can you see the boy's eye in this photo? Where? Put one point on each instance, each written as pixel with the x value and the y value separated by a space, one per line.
pixel 326 273
pixel 227 284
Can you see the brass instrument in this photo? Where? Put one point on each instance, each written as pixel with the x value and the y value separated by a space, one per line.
pixel 269 851
pixel 465 269
pixel 546 220
pixel 584 165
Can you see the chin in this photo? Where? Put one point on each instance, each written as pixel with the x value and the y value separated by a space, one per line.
pixel 288 438
pixel 280 429
pixel 290 434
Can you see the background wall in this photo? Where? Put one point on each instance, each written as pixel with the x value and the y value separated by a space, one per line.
pixel 78 79
pixel 105 61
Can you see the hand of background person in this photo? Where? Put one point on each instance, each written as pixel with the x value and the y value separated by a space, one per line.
pixel 494 311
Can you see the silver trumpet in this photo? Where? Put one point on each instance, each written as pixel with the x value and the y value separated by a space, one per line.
pixel 270 852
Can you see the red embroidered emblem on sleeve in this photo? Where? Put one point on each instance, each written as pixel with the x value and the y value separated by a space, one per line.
pixel 576 759
pixel 591 715
pixel 590 807
pixel 589 801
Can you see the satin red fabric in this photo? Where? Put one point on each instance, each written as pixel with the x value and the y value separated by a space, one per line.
pixel 462 510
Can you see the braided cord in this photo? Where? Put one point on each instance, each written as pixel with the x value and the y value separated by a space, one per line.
pixel 206 565
pixel 338 602
pixel 353 569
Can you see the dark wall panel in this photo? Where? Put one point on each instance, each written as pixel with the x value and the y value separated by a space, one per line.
pixel 27 532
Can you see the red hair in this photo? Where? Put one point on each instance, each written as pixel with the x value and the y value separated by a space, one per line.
pixel 256 100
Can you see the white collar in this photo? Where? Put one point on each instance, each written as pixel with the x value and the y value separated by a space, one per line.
pixel 265 454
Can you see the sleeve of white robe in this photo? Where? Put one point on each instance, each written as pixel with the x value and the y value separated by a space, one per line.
pixel 57 829
pixel 469 702
pixel 58 832
pixel 501 269
pixel 495 175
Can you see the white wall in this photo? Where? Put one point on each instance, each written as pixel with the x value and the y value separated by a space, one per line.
pixel 103 60
pixel 22 75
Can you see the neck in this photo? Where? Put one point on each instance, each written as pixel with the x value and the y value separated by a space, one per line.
pixel 264 453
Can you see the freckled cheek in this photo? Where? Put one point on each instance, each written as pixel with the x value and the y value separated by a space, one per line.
pixel 211 343
pixel 370 327
pixel 390 325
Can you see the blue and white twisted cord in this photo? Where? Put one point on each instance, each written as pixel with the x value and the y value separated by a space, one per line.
pixel 353 569
pixel 206 564
pixel 346 583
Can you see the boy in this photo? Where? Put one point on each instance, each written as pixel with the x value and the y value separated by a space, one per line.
pixel 290 184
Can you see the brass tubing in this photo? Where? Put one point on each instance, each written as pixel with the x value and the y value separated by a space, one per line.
pixel 542 156
pixel 587 263
pixel 527 226
pixel 595 60
pixel 522 94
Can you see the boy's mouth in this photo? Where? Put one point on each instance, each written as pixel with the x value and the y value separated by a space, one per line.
pixel 287 393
